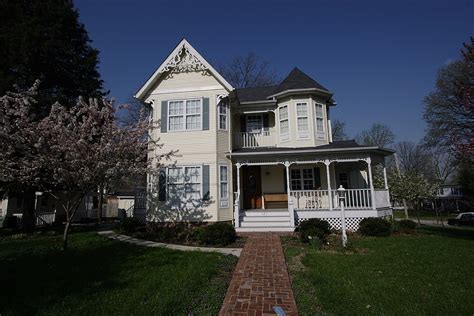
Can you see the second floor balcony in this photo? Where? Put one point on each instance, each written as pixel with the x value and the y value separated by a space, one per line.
pixel 256 138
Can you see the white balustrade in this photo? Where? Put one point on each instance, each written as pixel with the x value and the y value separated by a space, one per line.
pixel 254 140
pixel 356 199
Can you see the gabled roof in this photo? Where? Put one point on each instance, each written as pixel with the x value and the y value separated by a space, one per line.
pixel 295 81
pixel 171 61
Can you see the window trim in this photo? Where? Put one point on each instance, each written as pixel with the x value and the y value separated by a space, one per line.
pixel 301 178
pixel 300 134
pixel 183 167
pixel 284 137
pixel 247 123
pixel 222 104
pixel 185 115
pixel 319 134
pixel 224 201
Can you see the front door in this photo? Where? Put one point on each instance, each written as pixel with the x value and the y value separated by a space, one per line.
pixel 252 187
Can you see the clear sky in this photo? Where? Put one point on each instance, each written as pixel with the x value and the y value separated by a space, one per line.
pixel 380 58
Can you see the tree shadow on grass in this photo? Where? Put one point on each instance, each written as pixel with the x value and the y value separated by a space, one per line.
pixel 94 276
pixel 467 234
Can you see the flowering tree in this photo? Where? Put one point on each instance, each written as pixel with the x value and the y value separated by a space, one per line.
pixel 73 150
pixel 412 187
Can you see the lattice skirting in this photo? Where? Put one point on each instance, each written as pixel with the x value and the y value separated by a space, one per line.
pixel 352 223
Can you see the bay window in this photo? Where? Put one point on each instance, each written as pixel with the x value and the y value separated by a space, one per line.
pixel 284 123
pixel 302 119
pixel 319 121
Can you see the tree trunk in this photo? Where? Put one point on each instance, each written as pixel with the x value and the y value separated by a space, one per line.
pixel 442 210
pixel 101 201
pixel 405 208
pixel 66 233
pixel 418 211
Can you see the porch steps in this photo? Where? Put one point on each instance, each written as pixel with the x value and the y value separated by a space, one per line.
pixel 258 220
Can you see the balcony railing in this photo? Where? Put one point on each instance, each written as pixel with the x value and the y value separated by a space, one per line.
pixel 262 138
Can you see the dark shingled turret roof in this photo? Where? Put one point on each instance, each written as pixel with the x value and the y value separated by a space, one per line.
pixel 296 79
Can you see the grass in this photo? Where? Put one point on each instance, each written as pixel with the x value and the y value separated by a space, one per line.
pixel 431 215
pixel 429 273
pixel 97 276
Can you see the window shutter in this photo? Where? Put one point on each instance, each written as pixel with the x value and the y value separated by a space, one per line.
pixel 243 123
pixel 317 177
pixel 266 121
pixel 162 185
pixel 205 114
pixel 164 116
pixel 205 182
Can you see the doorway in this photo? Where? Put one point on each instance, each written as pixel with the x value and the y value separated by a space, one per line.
pixel 252 187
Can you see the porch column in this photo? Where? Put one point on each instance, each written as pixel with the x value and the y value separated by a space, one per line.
pixel 327 163
pixel 237 198
pixel 290 201
pixel 372 192
pixel 386 184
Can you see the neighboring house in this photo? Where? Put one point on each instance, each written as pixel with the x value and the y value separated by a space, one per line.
pixel 450 196
pixel 261 157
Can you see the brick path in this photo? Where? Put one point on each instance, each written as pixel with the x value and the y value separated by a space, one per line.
pixel 260 281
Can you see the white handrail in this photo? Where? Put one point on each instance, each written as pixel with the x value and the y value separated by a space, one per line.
pixel 253 140
pixel 358 199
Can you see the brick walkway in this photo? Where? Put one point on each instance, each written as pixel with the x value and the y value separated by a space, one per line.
pixel 260 281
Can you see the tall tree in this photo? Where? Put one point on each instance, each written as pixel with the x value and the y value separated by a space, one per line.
pixel 377 135
pixel 249 71
pixel 45 40
pixel 449 109
pixel 338 130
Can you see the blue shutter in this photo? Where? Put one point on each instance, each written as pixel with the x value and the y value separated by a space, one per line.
pixel 164 116
pixel 205 182
pixel 205 114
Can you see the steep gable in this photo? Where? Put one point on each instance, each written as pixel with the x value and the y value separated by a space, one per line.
pixel 183 59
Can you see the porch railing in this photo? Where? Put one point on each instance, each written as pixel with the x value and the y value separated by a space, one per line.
pixel 45 218
pixel 358 199
pixel 252 140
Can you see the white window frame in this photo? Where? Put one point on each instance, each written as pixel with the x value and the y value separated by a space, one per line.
pixel 223 105
pixel 284 137
pixel 247 124
pixel 302 134
pixel 185 115
pixel 320 134
pixel 224 200
pixel 302 178
pixel 184 182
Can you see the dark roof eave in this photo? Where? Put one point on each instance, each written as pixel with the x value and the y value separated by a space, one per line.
pixel 297 151
pixel 300 91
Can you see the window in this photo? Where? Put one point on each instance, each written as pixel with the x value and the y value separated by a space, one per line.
pixel 302 119
pixel 224 186
pixel 185 115
pixel 302 179
pixel 184 183
pixel 254 124
pixel 284 123
pixel 319 121
pixel 223 116
pixel 344 180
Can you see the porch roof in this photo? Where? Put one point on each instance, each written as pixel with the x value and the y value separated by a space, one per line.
pixel 344 146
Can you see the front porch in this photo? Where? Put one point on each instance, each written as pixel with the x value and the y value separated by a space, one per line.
pixel 277 195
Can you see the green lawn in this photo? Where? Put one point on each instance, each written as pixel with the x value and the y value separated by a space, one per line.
pixel 426 274
pixel 102 277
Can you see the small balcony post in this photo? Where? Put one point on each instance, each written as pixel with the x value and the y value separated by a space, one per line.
pixel 291 209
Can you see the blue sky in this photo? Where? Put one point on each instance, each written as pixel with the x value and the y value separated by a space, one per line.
pixel 380 58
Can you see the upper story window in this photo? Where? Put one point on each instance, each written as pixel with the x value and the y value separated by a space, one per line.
pixel 319 121
pixel 254 123
pixel 223 114
pixel 185 115
pixel 284 123
pixel 302 119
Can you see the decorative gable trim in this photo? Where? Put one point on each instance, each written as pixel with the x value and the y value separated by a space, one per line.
pixel 184 58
